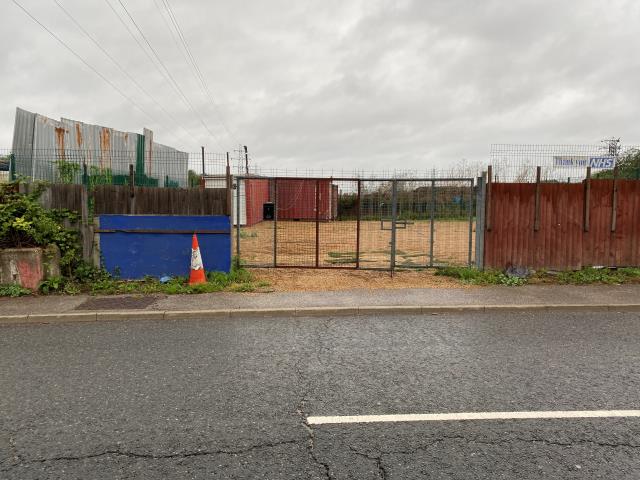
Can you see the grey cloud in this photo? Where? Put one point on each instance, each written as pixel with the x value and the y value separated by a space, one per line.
pixel 360 84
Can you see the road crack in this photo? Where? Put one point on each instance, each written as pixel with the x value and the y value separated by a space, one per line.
pixel 510 440
pixel 151 456
pixel 301 408
pixel 382 473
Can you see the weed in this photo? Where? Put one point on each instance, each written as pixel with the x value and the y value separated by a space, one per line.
pixel 480 277
pixel 592 275
pixel 13 290
pixel 52 285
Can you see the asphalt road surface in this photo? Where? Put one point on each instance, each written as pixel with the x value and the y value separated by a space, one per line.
pixel 232 398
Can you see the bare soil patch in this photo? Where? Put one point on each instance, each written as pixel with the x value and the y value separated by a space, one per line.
pixel 298 280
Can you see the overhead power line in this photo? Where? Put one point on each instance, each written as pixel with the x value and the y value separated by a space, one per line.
pixel 167 74
pixel 196 69
pixel 87 64
pixel 123 70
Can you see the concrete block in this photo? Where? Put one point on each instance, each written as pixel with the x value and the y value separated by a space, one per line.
pixel 27 267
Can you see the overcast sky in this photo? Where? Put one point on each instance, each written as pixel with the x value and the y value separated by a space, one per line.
pixel 336 83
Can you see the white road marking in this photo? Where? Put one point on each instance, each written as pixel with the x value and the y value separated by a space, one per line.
pixel 447 417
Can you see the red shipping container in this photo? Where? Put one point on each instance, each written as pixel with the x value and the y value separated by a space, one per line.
pixel 297 199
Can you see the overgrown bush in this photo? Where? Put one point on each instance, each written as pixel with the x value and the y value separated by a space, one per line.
pixel 24 223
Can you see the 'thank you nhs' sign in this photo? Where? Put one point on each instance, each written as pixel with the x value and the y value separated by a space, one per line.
pixel 584 161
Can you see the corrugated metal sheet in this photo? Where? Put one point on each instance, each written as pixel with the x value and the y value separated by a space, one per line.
pixel 561 242
pixel 22 147
pixel 100 147
pixel 167 162
pixel 40 143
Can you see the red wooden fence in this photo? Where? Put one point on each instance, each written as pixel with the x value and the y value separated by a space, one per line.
pixel 578 225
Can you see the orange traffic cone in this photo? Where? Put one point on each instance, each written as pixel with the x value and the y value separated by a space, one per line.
pixel 197 268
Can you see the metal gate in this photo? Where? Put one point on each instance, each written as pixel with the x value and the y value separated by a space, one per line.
pixel 353 223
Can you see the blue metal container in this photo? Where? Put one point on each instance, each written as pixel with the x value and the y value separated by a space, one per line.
pixel 133 246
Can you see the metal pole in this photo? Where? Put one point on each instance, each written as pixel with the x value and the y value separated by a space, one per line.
pixel 394 214
pixel 480 216
pixel 275 223
pixel 614 199
pixel 132 191
pixel 487 210
pixel 229 202
pixel 317 223
pixel 358 214
pixel 470 214
pixel 246 160
pixel 202 178
pixel 238 183
pixel 431 220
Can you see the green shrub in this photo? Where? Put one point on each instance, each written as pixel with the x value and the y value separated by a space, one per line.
pixel 13 290
pixel 24 223
pixel 52 285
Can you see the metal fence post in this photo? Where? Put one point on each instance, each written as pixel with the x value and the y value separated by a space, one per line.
pixel 229 200
pixel 317 223
pixel 275 222
pixel 12 167
pixel 470 215
pixel 358 216
pixel 432 215
pixel 394 215
pixel 480 220
pixel 238 181
pixel 132 191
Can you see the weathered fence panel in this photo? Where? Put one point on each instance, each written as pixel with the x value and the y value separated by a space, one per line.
pixel 124 200
pixel 574 225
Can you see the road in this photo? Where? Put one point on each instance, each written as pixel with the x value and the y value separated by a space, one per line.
pixel 232 398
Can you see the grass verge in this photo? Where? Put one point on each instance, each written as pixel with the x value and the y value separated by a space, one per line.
pixel 99 282
pixel 586 276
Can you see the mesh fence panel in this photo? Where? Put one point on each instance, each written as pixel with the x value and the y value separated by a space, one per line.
pixel 349 223
pixel 562 163
pixel 254 234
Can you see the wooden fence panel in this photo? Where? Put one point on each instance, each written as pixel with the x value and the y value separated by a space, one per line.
pixel 112 199
pixel 561 241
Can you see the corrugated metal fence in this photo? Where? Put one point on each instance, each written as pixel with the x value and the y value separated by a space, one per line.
pixel 563 226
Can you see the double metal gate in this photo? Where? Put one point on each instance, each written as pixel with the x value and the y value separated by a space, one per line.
pixel 352 223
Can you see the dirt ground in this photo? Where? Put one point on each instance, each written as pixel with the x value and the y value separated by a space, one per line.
pixel 296 243
pixel 302 280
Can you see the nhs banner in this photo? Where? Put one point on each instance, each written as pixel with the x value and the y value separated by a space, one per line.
pixel 606 162
pixel 602 162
